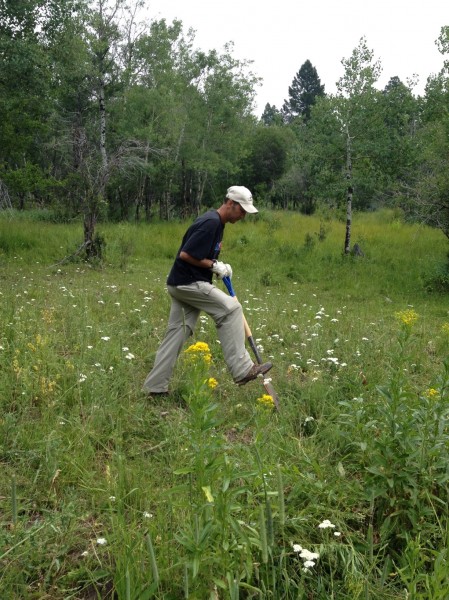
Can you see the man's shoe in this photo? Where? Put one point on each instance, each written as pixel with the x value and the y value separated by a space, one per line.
pixel 254 372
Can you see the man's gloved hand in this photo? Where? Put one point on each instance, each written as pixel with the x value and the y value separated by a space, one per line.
pixel 229 268
pixel 221 269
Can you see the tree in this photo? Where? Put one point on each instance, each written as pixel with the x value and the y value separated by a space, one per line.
pixel 427 191
pixel 191 110
pixel 398 156
pixel 356 105
pixel 443 46
pixel 224 119
pixel 314 176
pixel 27 38
pixel 305 89
pixel 268 154
pixel 271 115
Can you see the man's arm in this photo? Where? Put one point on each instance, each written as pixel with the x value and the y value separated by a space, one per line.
pixel 219 268
pixel 204 263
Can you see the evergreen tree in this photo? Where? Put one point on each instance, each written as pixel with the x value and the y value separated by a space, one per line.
pixel 305 88
pixel 271 115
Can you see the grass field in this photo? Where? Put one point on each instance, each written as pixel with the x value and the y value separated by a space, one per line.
pixel 341 494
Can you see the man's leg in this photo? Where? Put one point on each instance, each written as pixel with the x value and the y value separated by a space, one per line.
pixel 228 316
pixel 181 325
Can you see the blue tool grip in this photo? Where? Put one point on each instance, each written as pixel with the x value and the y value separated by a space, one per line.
pixel 228 284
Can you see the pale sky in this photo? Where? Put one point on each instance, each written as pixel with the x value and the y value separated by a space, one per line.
pixel 280 36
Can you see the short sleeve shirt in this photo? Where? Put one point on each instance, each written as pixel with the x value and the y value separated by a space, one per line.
pixel 201 240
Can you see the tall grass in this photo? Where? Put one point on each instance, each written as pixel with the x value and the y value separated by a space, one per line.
pixel 208 493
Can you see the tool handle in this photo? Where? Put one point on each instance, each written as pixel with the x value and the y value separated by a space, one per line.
pixel 249 335
pixel 267 384
pixel 228 284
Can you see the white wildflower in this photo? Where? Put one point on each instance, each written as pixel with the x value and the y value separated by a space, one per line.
pixel 307 555
pixel 326 524
pixel 309 563
pixel 102 541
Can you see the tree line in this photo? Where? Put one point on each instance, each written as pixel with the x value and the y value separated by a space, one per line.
pixel 107 116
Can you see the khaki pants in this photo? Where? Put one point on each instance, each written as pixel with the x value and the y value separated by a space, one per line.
pixel 187 303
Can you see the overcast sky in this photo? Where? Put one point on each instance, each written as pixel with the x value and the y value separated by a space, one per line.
pixel 280 36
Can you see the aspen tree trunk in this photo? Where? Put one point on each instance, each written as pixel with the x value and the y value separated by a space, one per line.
pixel 349 193
pixel 91 243
pixel 186 190
pixel 200 184
pixel 102 109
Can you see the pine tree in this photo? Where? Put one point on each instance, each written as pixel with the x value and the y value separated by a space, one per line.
pixel 305 88
pixel 271 115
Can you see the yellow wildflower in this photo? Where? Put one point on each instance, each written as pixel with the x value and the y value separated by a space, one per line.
pixel 47 315
pixel 407 317
pixel 47 386
pixel 445 328
pixel 431 393
pixel 200 350
pixel 266 401
pixel 198 347
pixel 212 382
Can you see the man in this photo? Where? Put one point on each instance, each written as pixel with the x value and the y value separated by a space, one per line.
pixel 191 289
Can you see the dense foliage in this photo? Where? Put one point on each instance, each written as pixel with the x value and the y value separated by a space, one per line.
pixel 104 116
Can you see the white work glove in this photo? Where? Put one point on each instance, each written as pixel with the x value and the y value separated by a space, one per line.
pixel 221 269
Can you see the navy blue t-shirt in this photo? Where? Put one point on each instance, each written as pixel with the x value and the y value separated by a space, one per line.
pixel 201 240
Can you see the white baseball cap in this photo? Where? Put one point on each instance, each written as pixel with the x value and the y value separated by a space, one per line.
pixel 242 195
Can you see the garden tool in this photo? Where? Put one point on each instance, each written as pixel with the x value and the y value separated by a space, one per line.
pixel 267 384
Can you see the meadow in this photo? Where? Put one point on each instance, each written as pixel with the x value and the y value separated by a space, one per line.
pixel 210 493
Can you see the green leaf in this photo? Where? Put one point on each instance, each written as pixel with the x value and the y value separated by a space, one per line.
pixel 183 471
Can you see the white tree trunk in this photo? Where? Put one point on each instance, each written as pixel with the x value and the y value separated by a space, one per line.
pixel 349 193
